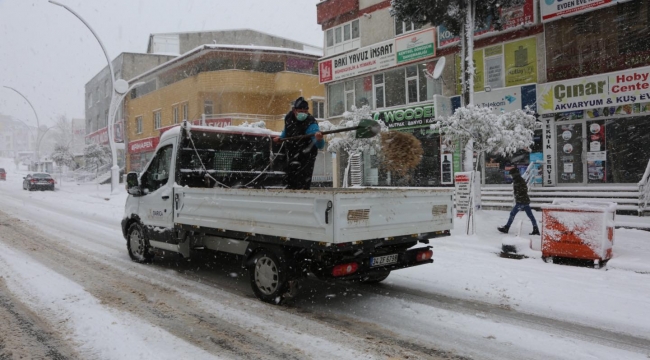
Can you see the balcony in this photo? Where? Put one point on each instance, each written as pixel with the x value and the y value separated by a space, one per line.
pixel 331 9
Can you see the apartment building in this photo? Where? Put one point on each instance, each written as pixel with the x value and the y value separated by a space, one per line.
pixel 372 59
pixel 220 85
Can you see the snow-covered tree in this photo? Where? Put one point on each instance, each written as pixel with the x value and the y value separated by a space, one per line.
pixel 502 134
pixel 460 17
pixel 62 131
pixel 97 155
pixel 62 156
pixel 346 141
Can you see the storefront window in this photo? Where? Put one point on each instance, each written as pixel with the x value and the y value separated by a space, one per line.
pixel 336 99
pixel 569 153
pixel 627 147
pixel 395 87
pixel 363 92
pixel 601 151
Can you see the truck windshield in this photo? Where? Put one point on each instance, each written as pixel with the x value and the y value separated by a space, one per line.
pixel 229 160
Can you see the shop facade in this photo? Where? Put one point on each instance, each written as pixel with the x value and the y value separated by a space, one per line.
pixel 596 129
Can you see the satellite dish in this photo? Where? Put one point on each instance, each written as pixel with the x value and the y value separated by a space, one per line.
pixel 437 71
pixel 121 86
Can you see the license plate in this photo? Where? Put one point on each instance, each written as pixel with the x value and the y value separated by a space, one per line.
pixel 43 182
pixel 383 260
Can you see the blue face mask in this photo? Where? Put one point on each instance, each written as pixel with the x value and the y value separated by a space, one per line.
pixel 301 116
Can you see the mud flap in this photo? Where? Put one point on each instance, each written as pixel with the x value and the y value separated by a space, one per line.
pixel 184 247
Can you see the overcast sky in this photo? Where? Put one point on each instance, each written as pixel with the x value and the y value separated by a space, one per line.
pixel 48 55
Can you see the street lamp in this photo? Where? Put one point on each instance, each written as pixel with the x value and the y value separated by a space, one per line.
pixel 120 88
pixel 38 123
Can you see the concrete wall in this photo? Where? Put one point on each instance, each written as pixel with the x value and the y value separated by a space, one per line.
pixel 126 66
pixel 376 29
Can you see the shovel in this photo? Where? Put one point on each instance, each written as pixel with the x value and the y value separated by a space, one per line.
pixel 366 129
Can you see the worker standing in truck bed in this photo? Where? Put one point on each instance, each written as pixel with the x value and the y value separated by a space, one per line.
pixel 301 153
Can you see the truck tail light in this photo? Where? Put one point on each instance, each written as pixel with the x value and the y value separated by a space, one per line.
pixel 345 269
pixel 424 255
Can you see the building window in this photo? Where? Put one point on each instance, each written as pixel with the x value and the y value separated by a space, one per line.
pixel 90 100
pixel 342 38
pixel 379 91
pixel 357 92
pixel 395 87
pixel 175 114
pixel 138 125
pixel 105 121
pixel 185 111
pixel 406 85
pixel 97 92
pixel 403 27
pixel 208 107
pixel 157 120
pixel 318 109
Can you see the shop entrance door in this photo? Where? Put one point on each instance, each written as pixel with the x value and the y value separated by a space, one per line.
pixel 570 150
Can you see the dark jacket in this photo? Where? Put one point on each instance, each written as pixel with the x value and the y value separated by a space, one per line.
pixel 521 189
pixel 293 127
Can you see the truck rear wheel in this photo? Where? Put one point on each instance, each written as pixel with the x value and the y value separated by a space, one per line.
pixel 268 276
pixel 138 245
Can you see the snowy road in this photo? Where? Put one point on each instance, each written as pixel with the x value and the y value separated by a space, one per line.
pixel 75 294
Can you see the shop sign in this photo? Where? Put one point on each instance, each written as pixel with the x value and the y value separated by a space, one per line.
pixel 223 122
pixel 446 168
pixel 555 9
pixel 416 46
pixel 408 118
pixel 442 105
pixel 548 169
pixel 463 181
pixel 143 145
pixel 507 99
pixel 612 91
pixel 99 137
pixel 518 15
pixel 368 59
pixel 521 62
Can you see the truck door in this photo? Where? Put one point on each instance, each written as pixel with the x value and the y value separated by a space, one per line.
pixel 156 211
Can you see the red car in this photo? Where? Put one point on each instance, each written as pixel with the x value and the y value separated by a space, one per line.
pixel 3 174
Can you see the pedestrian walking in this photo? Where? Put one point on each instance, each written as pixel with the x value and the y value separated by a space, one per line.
pixel 522 202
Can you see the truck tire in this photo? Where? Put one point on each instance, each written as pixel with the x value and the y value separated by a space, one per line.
pixel 269 277
pixel 138 245
pixel 375 278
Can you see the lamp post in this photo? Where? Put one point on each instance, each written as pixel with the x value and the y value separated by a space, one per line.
pixel 120 87
pixel 38 123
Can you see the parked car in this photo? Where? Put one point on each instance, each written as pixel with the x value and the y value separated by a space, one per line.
pixel 43 181
pixel 3 174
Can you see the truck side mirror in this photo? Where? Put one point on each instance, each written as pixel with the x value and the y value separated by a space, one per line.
pixel 132 184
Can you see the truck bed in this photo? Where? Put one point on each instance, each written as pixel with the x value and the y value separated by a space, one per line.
pixel 322 215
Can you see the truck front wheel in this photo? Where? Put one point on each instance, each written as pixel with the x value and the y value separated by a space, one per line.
pixel 138 245
pixel 268 276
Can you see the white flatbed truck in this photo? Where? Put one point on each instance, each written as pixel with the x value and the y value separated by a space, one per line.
pixel 221 189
